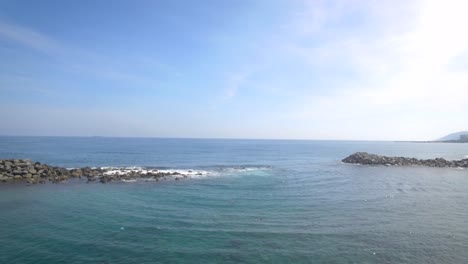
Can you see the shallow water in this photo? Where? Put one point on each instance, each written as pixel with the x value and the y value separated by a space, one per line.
pixel 264 202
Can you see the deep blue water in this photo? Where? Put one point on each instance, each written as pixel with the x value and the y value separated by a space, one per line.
pixel 268 202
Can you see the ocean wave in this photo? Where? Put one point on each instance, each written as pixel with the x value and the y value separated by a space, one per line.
pixel 132 180
pixel 188 173
pixel 144 171
pixel 243 170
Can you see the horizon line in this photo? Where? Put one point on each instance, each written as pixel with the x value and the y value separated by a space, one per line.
pixel 217 138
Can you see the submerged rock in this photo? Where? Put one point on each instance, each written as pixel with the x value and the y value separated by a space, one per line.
pixel 365 158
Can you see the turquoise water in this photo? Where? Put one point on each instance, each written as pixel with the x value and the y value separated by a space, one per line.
pixel 264 202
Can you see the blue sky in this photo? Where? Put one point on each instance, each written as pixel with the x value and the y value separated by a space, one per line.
pixel 234 69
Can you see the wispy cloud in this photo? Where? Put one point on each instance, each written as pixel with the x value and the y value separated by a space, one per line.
pixel 348 69
pixel 78 61
pixel 29 38
pixel 234 83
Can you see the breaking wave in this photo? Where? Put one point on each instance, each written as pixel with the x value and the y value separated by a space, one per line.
pixel 187 173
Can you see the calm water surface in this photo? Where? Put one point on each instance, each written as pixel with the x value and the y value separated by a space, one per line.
pixel 265 202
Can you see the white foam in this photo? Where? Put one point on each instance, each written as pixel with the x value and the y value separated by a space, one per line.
pixel 129 180
pixel 176 172
pixel 135 168
pixel 191 173
pixel 246 169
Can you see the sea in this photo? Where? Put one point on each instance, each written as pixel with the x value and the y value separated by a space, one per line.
pixel 260 201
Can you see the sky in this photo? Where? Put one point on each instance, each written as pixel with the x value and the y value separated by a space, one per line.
pixel 273 69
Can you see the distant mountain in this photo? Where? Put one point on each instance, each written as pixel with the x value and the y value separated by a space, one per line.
pixel 453 136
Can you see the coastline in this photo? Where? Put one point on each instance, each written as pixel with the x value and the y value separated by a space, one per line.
pixel 433 141
pixel 26 171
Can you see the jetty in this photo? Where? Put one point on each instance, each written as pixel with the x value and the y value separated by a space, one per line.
pixel 365 158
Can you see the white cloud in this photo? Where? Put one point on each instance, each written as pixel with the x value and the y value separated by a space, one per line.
pixel 405 83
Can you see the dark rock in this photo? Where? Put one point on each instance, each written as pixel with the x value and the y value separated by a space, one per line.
pixel 4 178
pixel 76 173
pixel 103 179
pixel 365 158
pixel 20 170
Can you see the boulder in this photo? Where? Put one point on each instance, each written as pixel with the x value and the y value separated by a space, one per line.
pixel 34 172
pixel 76 173
pixel 365 158
pixel 4 178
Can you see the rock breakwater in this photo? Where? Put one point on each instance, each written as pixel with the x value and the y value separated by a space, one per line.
pixel 365 158
pixel 19 170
